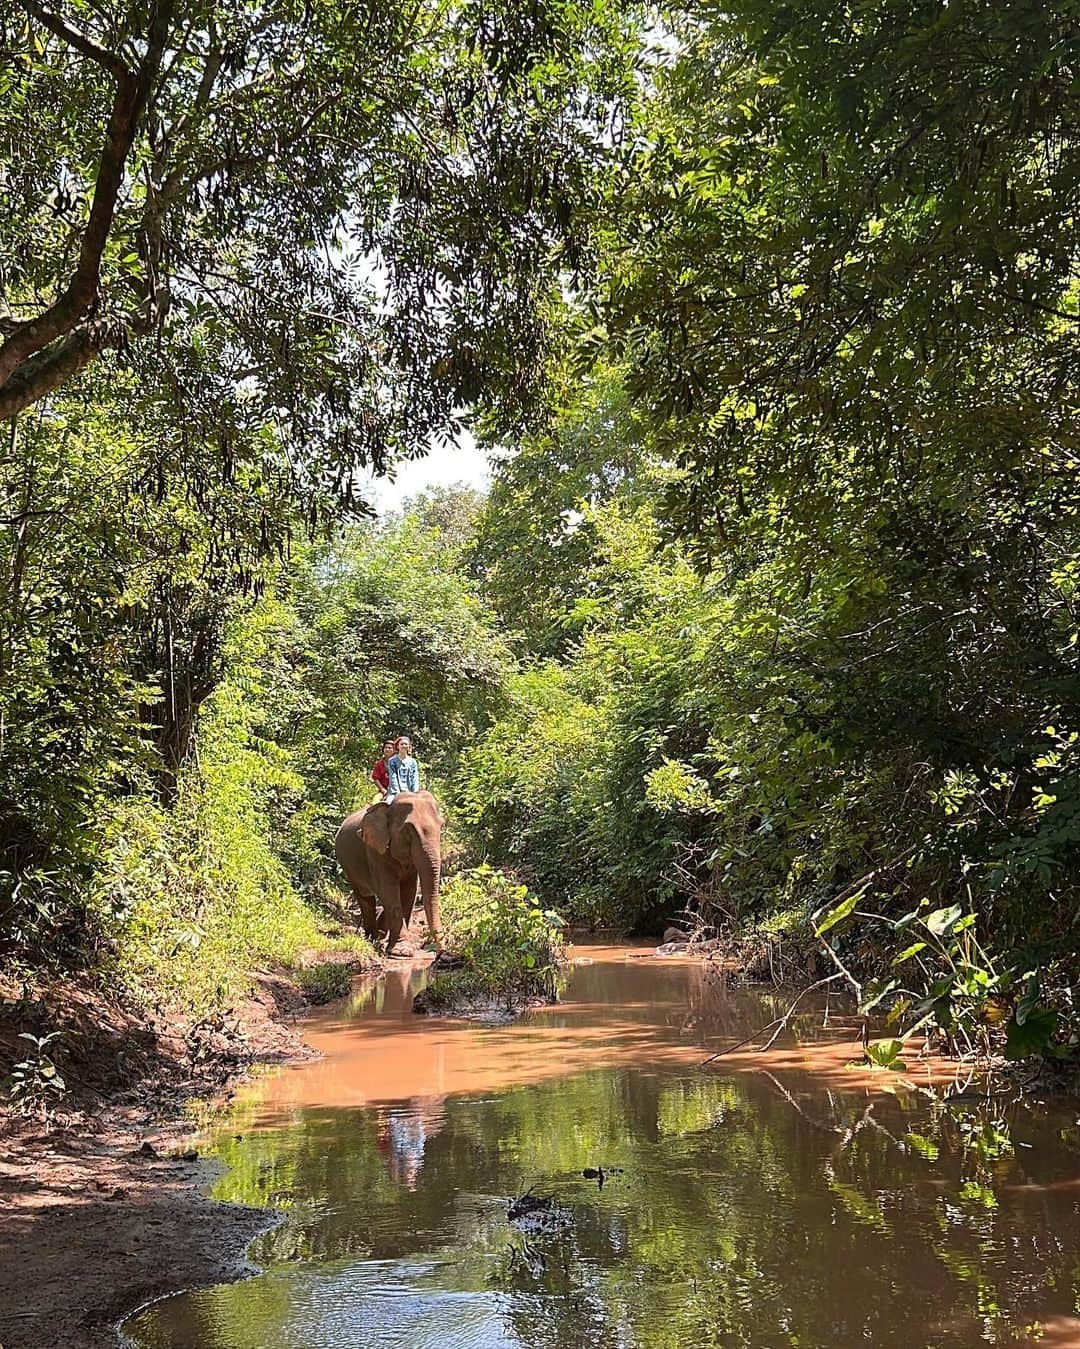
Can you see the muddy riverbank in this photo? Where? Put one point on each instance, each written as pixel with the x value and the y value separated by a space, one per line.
pixel 91 1230
pixel 105 1206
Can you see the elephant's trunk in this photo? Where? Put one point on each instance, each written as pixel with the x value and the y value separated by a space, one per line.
pixel 429 868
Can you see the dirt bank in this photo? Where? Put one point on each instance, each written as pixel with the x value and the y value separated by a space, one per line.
pixel 90 1231
pixel 104 1206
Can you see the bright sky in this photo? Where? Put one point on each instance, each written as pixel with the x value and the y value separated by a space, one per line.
pixel 463 463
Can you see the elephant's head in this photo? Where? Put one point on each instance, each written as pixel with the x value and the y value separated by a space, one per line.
pixel 409 830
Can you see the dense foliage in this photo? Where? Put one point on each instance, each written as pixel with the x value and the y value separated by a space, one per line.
pixel 334 218
pixel 840 279
pixel 772 613
pixel 890 735
pixel 246 251
pixel 374 634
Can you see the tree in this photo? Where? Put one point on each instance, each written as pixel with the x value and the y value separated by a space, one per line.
pixel 245 249
pixel 537 536
pixel 847 248
pixel 842 270
pixel 339 221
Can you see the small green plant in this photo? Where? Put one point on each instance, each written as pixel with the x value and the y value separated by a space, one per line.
pixel 35 1084
pixel 885 1054
pixel 511 946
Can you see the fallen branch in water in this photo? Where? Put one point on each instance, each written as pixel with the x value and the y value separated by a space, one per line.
pixel 780 1023
pixel 845 973
pixel 738 1044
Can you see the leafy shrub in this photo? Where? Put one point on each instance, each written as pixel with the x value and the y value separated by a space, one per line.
pixel 786 736
pixel 34 1084
pixel 511 946
pixel 945 978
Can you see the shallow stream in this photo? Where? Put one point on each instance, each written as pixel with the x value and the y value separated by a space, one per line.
pixel 784 1199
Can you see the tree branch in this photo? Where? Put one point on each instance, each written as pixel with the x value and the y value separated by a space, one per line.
pixel 47 370
pixel 61 318
pixel 80 41
pixel 781 1023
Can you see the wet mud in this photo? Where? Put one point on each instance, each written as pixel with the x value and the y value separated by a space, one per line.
pixel 104 1206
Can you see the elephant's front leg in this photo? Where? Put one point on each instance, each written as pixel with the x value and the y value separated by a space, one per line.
pixel 368 916
pixel 390 895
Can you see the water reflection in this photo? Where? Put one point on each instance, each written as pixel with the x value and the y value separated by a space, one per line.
pixel 403 1133
pixel 754 1209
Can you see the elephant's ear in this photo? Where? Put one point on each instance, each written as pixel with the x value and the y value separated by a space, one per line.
pixel 375 827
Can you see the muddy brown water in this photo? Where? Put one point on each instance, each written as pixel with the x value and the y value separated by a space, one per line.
pixel 765 1201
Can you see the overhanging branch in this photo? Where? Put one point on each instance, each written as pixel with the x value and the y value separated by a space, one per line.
pixel 47 370
pixel 80 41
pixel 24 379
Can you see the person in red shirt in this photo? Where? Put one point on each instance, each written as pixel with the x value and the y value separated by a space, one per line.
pixel 380 774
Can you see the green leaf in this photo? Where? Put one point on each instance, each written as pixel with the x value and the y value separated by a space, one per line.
pixel 876 990
pixel 1033 1036
pixel 908 952
pixel 1029 999
pixel 842 911
pixel 941 920
pixel 886 1054
pixel 906 920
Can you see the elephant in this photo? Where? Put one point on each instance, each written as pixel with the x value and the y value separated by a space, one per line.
pixel 383 850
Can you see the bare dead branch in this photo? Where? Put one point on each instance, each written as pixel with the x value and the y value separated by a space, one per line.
pixel 845 973
pixel 780 1023
pixel 785 1019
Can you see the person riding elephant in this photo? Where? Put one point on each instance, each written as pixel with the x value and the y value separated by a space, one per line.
pixel 384 850
pixel 380 774
pixel 403 769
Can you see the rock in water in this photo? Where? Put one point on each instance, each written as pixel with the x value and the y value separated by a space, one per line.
pixel 672 948
pixel 529 1203
pixel 537 1215
pixel 445 960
